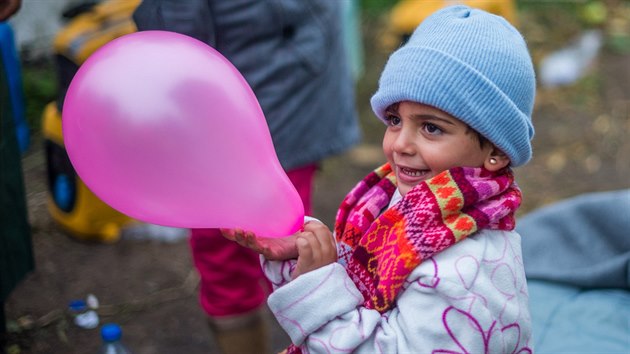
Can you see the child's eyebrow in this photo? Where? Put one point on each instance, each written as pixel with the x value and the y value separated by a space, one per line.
pixel 432 117
pixel 390 110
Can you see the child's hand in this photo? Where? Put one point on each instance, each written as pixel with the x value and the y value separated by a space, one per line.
pixel 316 248
pixel 271 248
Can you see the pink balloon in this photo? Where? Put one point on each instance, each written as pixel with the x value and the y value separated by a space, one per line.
pixel 163 128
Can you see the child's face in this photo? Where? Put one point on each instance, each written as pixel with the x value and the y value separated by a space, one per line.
pixel 422 141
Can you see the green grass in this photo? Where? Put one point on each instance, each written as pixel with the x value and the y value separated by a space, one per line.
pixel 39 81
pixel 376 7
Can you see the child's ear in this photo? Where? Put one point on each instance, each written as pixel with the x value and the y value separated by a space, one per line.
pixel 496 160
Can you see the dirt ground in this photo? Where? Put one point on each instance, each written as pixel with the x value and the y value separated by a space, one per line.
pixel 149 287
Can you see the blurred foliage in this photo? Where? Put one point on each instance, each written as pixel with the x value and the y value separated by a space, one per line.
pixel 548 24
pixel 40 87
pixel 618 28
pixel 376 7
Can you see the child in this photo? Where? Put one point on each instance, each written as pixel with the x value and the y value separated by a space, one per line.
pixel 425 258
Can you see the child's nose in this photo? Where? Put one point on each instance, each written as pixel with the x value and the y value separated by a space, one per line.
pixel 405 142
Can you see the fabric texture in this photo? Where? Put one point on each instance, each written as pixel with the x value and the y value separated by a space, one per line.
pixel 381 250
pixel 571 319
pixel 472 65
pixel 231 281
pixel 292 55
pixel 577 260
pixel 581 241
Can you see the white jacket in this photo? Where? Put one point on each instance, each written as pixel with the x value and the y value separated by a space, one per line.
pixel 471 298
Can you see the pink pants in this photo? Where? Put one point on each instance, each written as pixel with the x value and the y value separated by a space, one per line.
pixel 232 282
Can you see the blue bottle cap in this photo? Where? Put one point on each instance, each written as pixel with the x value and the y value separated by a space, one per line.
pixel 77 305
pixel 111 332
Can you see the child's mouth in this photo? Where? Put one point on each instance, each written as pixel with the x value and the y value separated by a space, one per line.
pixel 411 174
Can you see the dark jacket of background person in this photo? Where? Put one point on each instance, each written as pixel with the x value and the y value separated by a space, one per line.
pixel 16 255
pixel 300 78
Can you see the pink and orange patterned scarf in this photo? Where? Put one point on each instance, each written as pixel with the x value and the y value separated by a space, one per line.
pixel 380 249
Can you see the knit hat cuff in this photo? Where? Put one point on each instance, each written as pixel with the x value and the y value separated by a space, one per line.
pixel 435 78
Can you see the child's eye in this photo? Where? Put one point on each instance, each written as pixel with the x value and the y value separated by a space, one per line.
pixel 392 120
pixel 432 129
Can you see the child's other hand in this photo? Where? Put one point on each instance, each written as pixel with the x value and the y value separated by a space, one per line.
pixel 271 248
pixel 316 248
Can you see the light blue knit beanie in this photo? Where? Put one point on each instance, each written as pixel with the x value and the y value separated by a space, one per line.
pixel 472 65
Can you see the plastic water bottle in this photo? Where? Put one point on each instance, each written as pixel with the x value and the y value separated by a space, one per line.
pixel 84 316
pixel 111 334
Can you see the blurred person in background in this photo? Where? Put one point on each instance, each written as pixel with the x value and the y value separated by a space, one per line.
pixel 8 8
pixel 292 55
pixel 16 255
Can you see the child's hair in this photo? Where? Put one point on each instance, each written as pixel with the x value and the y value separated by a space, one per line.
pixel 474 66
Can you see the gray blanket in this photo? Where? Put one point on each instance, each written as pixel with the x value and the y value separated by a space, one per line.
pixel 583 241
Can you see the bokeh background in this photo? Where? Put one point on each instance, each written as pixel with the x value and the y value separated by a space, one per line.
pixel 149 285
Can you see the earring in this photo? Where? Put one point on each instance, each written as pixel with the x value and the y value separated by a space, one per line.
pixel 493 161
